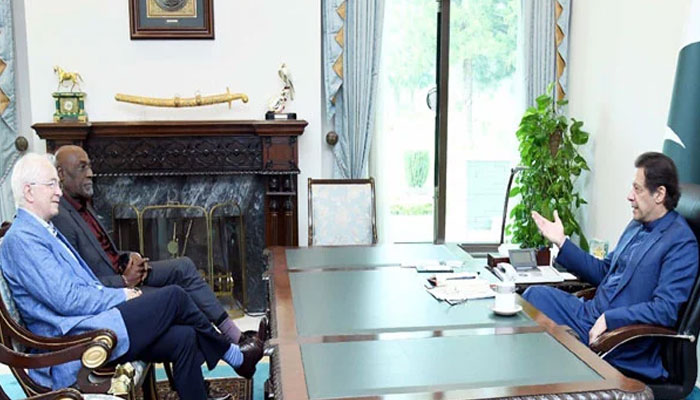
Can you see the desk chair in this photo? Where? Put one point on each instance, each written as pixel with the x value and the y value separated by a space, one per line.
pixel 342 212
pixel 480 250
pixel 678 345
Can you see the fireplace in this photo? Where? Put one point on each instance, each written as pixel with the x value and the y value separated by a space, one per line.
pixel 214 239
pixel 253 164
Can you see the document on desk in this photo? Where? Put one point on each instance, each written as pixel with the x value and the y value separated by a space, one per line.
pixel 462 289
pixel 433 265
pixel 541 274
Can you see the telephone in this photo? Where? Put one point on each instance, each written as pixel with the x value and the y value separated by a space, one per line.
pixel 506 272
pixel 522 259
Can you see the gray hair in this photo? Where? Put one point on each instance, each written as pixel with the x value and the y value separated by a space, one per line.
pixel 26 170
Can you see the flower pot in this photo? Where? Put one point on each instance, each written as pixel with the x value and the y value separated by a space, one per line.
pixel 543 256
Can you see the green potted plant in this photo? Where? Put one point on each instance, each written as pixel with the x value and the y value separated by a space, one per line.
pixel 548 151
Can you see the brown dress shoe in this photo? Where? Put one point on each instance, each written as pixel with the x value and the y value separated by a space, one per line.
pixel 252 353
pixel 261 333
pixel 246 336
pixel 262 329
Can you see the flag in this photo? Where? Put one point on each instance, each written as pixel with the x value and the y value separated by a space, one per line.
pixel 682 142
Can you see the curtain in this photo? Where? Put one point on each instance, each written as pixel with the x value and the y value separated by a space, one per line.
pixel 538 47
pixel 546 47
pixel 352 46
pixel 562 15
pixel 8 112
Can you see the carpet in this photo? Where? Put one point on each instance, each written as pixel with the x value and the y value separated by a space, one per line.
pixel 238 387
pixel 14 391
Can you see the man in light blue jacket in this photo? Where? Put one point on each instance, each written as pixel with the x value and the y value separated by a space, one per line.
pixel 57 294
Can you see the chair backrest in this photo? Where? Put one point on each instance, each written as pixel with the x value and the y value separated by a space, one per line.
pixel 13 331
pixel 342 212
pixel 679 356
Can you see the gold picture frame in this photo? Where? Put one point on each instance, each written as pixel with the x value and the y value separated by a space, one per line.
pixel 171 19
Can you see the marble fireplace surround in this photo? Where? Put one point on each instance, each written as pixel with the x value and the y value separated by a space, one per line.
pixel 198 163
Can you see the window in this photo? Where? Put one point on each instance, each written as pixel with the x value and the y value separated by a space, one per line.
pixel 483 114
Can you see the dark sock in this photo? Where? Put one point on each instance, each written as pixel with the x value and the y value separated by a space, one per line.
pixel 230 330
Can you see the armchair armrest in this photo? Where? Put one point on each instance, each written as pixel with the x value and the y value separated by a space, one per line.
pixel 22 335
pixel 609 341
pixel 92 354
pixel 586 294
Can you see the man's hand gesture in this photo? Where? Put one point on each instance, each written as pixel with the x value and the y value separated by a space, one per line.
pixel 136 270
pixel 552 231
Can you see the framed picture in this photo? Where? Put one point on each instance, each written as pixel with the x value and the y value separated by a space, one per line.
pixel 171 19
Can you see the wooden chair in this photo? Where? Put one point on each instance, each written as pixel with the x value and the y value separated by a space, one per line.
pixel 678 343
pixel 342 212
pixel 10 357
pixel 21 349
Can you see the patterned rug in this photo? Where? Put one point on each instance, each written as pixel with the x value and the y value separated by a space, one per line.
pixel 240 388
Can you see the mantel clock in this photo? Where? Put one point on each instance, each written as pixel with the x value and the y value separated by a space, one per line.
pixel 70 106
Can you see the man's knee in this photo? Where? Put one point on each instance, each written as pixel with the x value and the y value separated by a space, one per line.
pixel 536 294
pixel 186 269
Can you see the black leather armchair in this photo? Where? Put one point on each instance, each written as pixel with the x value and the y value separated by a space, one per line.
pixel 679 345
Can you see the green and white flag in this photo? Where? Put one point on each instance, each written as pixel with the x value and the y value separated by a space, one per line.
pixel 682 141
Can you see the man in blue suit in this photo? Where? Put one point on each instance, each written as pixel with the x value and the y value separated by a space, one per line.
pixel 57 294
pixel 645 280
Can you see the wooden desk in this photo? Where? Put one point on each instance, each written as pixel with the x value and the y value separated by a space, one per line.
pixel 349 322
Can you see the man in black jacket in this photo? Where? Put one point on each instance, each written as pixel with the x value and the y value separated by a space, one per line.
pixel 78 222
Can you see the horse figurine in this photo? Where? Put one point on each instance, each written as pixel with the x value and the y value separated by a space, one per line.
pixel 69 77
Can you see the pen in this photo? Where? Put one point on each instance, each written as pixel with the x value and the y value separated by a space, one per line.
pixel 461 277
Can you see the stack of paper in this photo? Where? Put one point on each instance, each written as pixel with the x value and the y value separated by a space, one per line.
pixel 540 274
pixel 458 290
pixel 433 265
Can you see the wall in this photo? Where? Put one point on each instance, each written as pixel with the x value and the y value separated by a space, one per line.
pixel 622 65
pixel 253 37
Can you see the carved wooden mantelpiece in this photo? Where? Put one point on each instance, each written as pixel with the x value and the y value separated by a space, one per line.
pixel 206 148
pixel 181 147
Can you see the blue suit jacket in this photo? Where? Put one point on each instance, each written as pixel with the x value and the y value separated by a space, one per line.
pixel 655 284
pixel 57 294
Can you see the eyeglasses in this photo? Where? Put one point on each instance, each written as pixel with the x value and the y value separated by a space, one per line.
pixel 53 183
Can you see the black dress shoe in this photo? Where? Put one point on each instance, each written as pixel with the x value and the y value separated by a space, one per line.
pixel 252 353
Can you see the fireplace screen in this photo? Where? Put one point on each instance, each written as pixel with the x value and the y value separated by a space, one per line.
pixel 213 239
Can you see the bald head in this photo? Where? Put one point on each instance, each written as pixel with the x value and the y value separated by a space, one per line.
pixel 75 172
pixel 68 154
